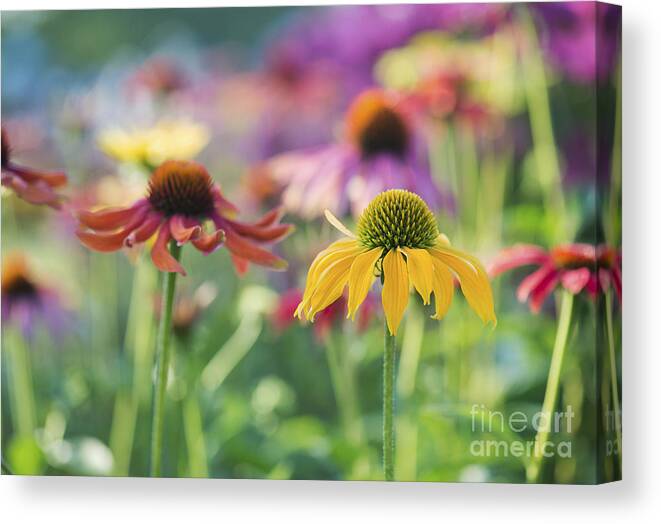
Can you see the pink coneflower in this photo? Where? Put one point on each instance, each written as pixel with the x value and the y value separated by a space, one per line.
pixel 575 267
pixel 181 201
pixel 32 186
pixel 379 150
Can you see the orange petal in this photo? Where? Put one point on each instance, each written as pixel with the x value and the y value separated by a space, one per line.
pixel 110 218
pixel 160 255
pixel 244 248
pixel 240 264
pixel 261 233
pixel 145 231
pixel 181 231
pixel 209 242
pixel 271 217
pixel 103 242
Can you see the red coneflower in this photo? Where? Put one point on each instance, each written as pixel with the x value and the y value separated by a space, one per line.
pixel 32 186
pixel 576 267
pixel 181 199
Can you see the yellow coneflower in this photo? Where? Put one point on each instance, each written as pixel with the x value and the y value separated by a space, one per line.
pixel 167 140
pixel 399 242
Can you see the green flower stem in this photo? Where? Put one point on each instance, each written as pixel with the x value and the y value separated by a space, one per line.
pixel 613 377
pixel 163 357
pixel 21 388
pixel 138 342
pixel 194 435
pixel 344 388
pixel 389 405
pixel 406 456
pixel 545 154
pixel 552 385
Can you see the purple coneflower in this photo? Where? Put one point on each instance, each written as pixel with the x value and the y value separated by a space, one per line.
pixel 380 149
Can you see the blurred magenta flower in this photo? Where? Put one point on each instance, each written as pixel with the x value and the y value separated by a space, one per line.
pixel 332 316
pixel 181 199
pixel 582 39
pixel 381 148
pixel 32 186
pixel 26 302
pixel 575 267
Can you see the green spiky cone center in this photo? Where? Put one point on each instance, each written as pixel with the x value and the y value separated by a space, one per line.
pixel 397 218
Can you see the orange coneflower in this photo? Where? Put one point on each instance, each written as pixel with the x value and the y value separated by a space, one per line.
pixel 33 186
pixel 181 199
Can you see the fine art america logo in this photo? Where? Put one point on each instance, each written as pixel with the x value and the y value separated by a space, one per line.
pixel 493 423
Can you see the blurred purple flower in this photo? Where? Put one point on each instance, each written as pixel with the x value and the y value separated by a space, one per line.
pixel 582 39
pixel 381 148
pixel 27 303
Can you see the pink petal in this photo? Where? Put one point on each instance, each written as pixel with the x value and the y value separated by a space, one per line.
pixel 575 280
pixel 516 256
pixel 543 290
pixel 532 281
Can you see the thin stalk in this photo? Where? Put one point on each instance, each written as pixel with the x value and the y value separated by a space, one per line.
pixel 613 377
pixel 138 342
pixel 163 357
pixel 21 390
pixel 389 406
pixel 344 391
pixel 194 435
pixel 545 152
pixel 552 385
pixel 406 456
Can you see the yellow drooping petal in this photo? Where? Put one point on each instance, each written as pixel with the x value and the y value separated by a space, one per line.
pixel 335 222
pixel 330 286
pixel 419 264
pixel 472 277
pixel 361 278
pixel 395 294
pixel 322 261
pixel 443 285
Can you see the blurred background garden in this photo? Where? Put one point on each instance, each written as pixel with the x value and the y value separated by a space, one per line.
pixel 504 118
